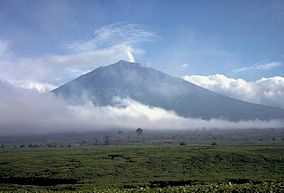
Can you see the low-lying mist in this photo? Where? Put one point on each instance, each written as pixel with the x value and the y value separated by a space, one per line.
pixel 29 112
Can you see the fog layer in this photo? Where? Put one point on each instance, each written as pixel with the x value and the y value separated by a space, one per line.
pixel 29 112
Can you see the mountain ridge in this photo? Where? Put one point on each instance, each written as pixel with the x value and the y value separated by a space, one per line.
pixel 155 88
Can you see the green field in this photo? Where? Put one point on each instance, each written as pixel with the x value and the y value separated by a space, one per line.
pixel 141 168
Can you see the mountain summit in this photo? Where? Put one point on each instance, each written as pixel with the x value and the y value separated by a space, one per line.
pixel 154 88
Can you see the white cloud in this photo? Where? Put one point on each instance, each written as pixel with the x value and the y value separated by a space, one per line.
pixel 37 86
pixel 3 48
pixel 110 44
pixel 268 91
pixel 114 34
pixel 28 112
pixel 127 36
pixel 268 66
pixel 263 67
pixel 184 65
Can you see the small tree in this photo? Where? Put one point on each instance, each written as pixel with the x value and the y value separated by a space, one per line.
pixel 213 143
pixel 139 131
pixel 182 143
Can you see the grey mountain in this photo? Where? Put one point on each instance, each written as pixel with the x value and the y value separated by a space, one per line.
pixel 155 88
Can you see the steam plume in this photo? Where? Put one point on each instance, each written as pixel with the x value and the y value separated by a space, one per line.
pixel 130 55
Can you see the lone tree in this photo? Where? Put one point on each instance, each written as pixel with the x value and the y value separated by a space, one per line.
pixel 139 131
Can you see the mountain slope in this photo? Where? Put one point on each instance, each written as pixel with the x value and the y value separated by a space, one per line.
pixel 154 88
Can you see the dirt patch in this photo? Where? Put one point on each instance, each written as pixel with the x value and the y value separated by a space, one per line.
pixel 37 181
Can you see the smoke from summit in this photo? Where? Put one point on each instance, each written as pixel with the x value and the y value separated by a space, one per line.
pixel 130 54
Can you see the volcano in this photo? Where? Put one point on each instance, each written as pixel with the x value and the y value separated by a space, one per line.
pixel 155 88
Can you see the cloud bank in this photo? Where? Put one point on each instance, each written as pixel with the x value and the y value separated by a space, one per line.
pixel 267 91
pixel 25 111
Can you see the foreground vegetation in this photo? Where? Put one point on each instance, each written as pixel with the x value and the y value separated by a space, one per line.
pixel 135 168
pixel 212 188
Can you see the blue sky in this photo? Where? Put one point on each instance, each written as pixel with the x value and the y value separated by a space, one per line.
pixel 240 39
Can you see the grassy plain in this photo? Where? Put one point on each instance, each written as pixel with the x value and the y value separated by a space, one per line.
pixel 143 168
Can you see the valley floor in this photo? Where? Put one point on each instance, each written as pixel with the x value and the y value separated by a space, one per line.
pixel 143 168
